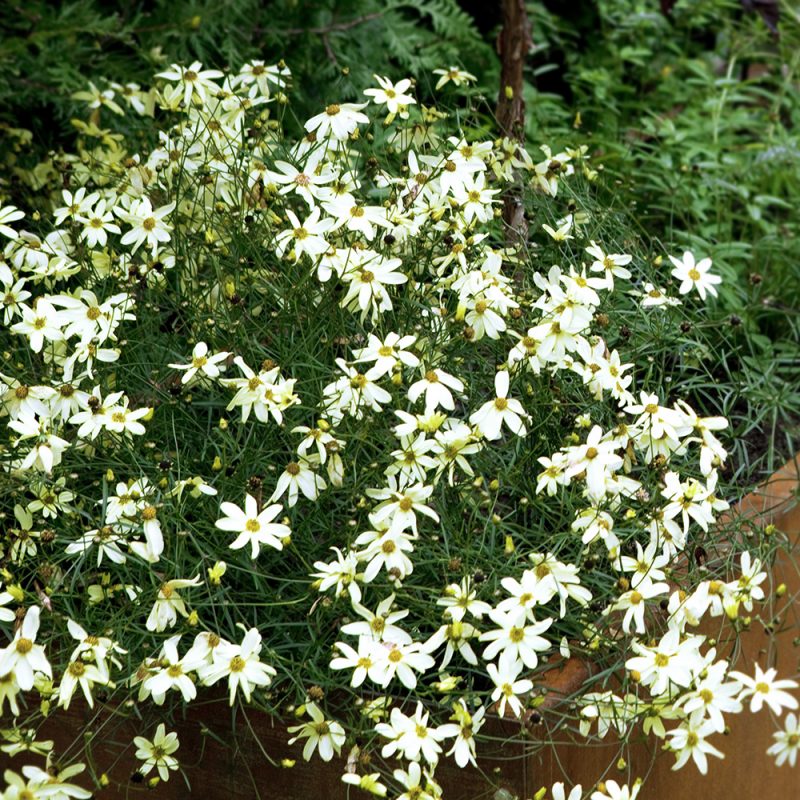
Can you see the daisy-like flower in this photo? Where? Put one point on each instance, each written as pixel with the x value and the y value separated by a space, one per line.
pixel 367 281
pixel 612 266
pixel 514 637
pixel 98 223
pixel 388 550
pixel 670 661
pixel 23 656
pixel 399 507
pixel 553 475
pixel 763 688
pixel 148 225
pixel 337 121
pixel 361 661
pixel 654 297
pixel 36 783
pixel 400 660
pixel 9 214
pixel 463 749
pixel 454 75
pixel 169 604
pixel 393 96
pixel 202 364
pixel 321 734
pixel 158 752
pixel 40 323
pixel 491 416
pixel 79 673
pixel 562 232
pixel 559 793
pixel 694 275
pixel 787 742
pixel 436 385
pixel 308 236
pixel 12 297
pixel 97 98
pixel 368 783
pixel 634 604
pixel 380 624
pixel 196 80
pixel 689 741
pixel 475 199
pixel 508 686
pixel 240 664
pixel 172 674
pixel 253 527
pixel 460 598
pixel 299 477
pixel 411 737
pixel 611 790
pixel 305 181
pixel 386 354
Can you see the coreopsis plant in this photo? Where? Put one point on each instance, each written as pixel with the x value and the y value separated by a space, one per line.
pixel 287 412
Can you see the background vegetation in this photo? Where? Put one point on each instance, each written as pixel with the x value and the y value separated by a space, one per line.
pixel 690 108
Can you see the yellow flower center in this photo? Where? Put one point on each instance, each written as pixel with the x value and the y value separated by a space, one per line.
pixel 24 646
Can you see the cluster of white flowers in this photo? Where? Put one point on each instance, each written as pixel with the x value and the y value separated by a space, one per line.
pixel 418 236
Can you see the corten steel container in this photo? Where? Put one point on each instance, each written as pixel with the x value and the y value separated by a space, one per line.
pixel 236 754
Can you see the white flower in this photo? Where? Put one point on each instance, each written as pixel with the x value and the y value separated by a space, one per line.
pixel 367 279
pixel 612 266
pixel 158 752
pixel 254 528
pixel 79 673
pixel 670 661
pixel 400 507
pixel 147 224
pixel 436 385
pixel 172 674
pixel 461 597
pixel 40 323
pixel 393 96
pixel 763 688
pixel 558 792
pixel 411 737
pixel 615 791
pixel 308 236
pixel 337 121
pixel 298 476
pixel 689 741
pixel 323 735
pixel 9 214
pixel 787 742
pixel 361 661
pixel 23 656
pixel 491 416
pixel 400 660
pixel 98 223
pixel 459 77
pixel 463 749
pixel 241 664
pixel 505 677
pixel 515 638
pixel 169 604
pixel 203 363
pixel 195 80
pixel 694 275
pixel 39 784
pixel 367 783
pixel 305 181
